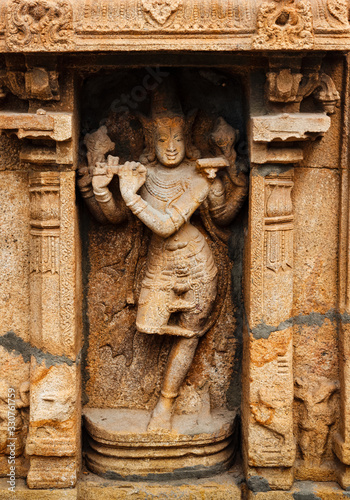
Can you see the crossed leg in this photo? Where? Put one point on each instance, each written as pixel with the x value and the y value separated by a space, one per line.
pixel 181 357
pixel 179 362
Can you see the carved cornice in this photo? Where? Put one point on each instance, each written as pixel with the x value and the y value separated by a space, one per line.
pixel 271 134
pixel 67 25
pixel 51 132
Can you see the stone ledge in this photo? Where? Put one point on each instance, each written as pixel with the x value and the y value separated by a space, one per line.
pixel 22 492
pixel 302 490
pixel 226 486
pixel 92 487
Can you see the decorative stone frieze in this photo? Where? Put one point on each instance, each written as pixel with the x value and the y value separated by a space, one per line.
pixel 32 26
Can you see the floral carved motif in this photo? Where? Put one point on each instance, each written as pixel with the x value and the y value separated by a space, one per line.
pixel 161 10
pixel 339 10
pixel 284 24
pixel 40 24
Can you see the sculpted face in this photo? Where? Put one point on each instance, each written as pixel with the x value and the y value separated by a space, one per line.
pixel 169 143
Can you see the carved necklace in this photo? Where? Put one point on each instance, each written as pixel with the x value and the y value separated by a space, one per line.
pixel 163 187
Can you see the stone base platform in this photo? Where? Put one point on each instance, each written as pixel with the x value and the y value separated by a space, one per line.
pixel 120 447
pixel 226 486
pixel 91 487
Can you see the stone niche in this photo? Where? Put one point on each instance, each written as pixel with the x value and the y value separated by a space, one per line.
pixel 174 249
pixel 124 367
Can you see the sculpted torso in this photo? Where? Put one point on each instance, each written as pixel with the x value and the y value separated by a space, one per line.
pixel 181 273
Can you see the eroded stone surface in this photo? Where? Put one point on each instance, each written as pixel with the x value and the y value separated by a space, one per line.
pixel 295 409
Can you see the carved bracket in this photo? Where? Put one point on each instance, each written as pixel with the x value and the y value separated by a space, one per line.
pixel 31 78
pixel 287 86
pixel 55 129
pixel 273 137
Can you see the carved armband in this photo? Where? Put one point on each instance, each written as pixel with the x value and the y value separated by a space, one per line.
pixel 176 217
pixel 86 192
pixel 103 195
pixel 137 205
pixel 218 211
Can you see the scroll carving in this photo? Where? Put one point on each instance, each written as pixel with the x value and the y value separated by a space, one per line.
pixel 256 265
pixel 339 10
pixel 330 15
pixel 284 25
pixel 67 261
pixel 39 25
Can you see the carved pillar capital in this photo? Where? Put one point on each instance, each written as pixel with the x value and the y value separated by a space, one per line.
pixel 278 137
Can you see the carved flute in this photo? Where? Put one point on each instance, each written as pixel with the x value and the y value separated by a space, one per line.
pixel 209 165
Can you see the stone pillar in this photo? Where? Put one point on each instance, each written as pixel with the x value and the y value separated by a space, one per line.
pixel 268 384
pixel 47 149
pixel 341 445
pixel 268 425
pixel 53 441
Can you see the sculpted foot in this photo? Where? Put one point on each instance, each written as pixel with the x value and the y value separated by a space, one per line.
pixel 161 415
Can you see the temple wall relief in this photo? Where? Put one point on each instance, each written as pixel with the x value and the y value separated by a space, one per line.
pixel 174 248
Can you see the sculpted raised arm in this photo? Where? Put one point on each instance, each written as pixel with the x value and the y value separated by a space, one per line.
pixel 85 187
pixel 226 197
pixel 227 193
pixel 103 196
pixel 93 182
